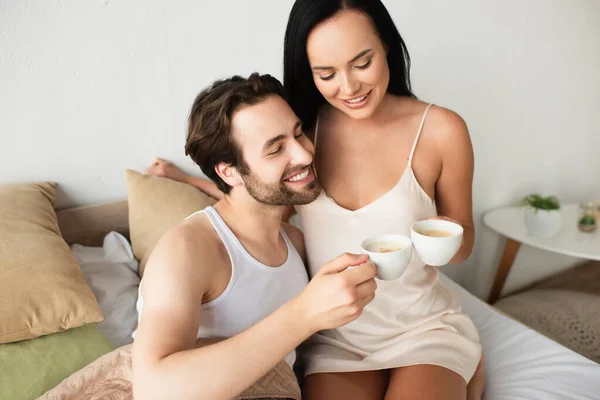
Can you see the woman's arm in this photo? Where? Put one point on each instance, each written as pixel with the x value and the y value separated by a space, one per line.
pixel 205 186
pixel 454 187
pixel 167 169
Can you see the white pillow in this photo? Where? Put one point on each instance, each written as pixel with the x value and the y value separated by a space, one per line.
pixel 111 271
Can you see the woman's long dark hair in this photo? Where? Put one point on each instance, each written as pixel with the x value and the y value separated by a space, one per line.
pixel 303 95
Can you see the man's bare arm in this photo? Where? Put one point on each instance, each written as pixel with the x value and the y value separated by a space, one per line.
pixel 178 274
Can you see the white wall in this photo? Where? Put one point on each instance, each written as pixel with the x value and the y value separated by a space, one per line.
pixel 88 89
pixel 525 75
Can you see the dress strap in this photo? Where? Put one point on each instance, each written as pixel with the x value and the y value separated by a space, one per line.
pixel 315 144
pixel 414 146
pixel 316 132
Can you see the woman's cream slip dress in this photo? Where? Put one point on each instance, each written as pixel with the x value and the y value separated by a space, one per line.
pixel 412 320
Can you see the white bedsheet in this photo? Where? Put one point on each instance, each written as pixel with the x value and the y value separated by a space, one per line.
pixel 522 364
pixel 111 271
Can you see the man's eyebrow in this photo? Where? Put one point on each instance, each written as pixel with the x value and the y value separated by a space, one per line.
pixel 359 55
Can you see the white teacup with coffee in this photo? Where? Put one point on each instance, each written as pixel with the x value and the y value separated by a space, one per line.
pixel 391 254
pixel 436 241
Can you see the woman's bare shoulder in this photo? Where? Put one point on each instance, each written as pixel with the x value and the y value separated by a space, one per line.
pixel 447 131
pixel 441 123
pixel 444 130
pixel 410 106
pixel 447 119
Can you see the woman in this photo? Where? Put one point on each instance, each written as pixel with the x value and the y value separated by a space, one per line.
pixel 385 160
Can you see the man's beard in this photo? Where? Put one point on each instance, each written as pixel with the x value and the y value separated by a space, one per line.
pixel 278 194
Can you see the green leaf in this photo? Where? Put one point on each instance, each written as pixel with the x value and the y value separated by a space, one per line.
pixel 588 220
pixel 542 203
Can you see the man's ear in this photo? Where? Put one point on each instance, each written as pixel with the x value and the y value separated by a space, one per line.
pixel 229 174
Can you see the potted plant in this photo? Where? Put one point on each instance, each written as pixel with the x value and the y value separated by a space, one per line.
pixel 542 215
pixel 587 220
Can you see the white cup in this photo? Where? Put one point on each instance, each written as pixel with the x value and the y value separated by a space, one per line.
pixel 436 251
pixel 390 265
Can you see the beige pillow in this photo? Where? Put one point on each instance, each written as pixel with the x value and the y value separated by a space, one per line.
pixel 42 289
pixel 155 205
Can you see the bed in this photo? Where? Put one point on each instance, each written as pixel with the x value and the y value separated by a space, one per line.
pixel 520 363
pixel 523 364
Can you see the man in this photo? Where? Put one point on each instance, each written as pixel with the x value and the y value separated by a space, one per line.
pixel 235 270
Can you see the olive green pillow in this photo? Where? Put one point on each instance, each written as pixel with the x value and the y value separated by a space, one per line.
pixel 32 367
pixel 42 288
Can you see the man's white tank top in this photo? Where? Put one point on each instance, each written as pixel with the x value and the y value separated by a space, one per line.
pixel 254 291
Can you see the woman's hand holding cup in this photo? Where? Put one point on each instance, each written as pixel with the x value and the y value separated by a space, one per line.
pixel 436 241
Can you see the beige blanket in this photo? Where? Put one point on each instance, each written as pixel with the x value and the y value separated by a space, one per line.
pixel 109 378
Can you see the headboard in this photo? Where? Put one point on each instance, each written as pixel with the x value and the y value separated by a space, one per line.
pixel 88 225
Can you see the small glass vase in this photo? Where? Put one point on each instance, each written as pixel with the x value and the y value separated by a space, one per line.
pixel 588 216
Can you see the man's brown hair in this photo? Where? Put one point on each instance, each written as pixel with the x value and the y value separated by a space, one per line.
pixel 209 139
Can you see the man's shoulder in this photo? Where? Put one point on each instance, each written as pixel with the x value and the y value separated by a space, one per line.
pixel 191 245
pixel 193 234
pixel 296 237
pixel 293 232
pixel 179 274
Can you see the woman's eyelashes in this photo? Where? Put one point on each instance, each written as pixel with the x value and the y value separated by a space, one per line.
pixel 365 65
pixel 361 67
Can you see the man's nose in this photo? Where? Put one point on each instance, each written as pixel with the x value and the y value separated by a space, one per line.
pixel 301 154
